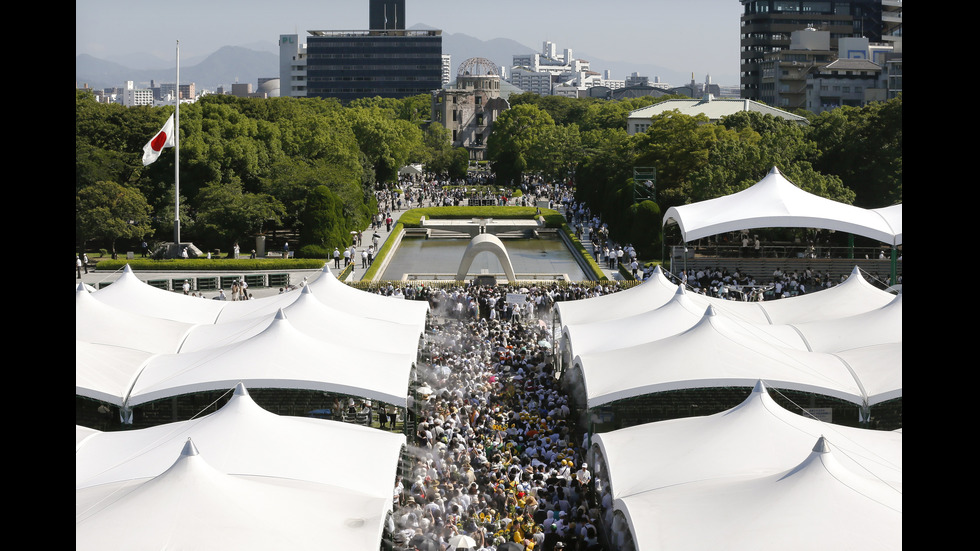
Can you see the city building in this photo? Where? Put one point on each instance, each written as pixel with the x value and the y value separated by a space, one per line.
pixel 813 76
pixel 386 60
pixel 267 88
pixel 852 82
pixel 713 108
pixel 447 69
pixel 550 73
pixel 767 26
pixel 132 96
pixel 170 89
pixel 695 89
pixel 469 106
pixel 785 72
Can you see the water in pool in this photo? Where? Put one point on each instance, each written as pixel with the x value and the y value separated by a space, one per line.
pixel 424 257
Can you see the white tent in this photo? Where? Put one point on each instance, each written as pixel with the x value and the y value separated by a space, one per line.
pixel 267 482
pixel 719 352
pixel 681 313
pixel 774 202
pixel 315 318
pixel 127 292
pixel 853 296
pixel 755 437
pixel 279 357
pixel 245 439
pixel 99 323
pixel 817 504
pixel 136 343
pixel 335 293
pixel 738 473
pixel 653 293
pixel 877 326
pixel 193 505
pixel 105 372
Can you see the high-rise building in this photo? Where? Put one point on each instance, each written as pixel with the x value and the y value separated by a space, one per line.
pixel 387 61
pixel 768 24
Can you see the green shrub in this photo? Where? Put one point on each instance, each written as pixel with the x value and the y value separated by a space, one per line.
pixel 314 251
pixel 205 265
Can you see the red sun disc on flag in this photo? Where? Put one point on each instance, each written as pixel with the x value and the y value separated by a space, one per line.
pixel 158 141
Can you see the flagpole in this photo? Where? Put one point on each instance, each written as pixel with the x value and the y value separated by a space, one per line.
pixel 177 157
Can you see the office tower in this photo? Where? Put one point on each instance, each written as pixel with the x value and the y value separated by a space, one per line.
pixel 767 25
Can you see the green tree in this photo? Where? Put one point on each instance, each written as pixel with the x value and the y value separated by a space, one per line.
pixel 606 168
pixel 863 147
pixel 387 143
pixel 646 234
pixel 323 224
pixel 226 214
pixel 676 145
pixel 110 211
pixel 557 152
pixel 513 142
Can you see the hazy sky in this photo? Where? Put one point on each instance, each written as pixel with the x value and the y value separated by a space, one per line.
pixel 700 36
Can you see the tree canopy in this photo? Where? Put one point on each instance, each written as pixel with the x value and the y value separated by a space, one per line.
pixel 252 165
pixel 249 165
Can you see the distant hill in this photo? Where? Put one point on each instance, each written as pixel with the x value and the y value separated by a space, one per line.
pixel 228 65
pixel 501 52
pixel 232 64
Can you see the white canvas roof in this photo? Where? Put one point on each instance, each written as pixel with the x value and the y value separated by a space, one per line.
pixel 97 322
pixel 127 292
pixel 653 293
pixel 243 438
pixel 335 293
pixel 851 297
pixel 817 504
pixel 260 481
pixel 279 357
pixel 719 352
pixel 136 343
pixel 774 202
pixel 747 470
pixel 194 505
pixel 105 372
pixel 880 325
pixel 756 437
pixel 315 318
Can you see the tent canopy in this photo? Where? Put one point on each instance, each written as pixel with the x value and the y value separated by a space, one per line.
pixel 719 481
pixel 757 436
pixel 194 505
pixel 817 504
pixel 259 481
pixel 720 351
pixel 136 343
pixel 774 202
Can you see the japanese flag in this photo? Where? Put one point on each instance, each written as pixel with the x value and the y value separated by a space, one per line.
pixel 164 138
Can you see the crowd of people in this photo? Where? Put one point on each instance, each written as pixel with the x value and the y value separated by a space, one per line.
pixel 499 455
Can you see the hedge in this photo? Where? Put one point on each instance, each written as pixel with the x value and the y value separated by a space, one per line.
pixel 213 265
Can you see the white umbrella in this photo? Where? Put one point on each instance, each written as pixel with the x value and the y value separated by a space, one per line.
pixel 462 542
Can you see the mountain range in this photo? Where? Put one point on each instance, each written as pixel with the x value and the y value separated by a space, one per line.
pixel 247 64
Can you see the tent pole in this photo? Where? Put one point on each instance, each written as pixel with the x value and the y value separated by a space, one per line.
pixel 894 273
